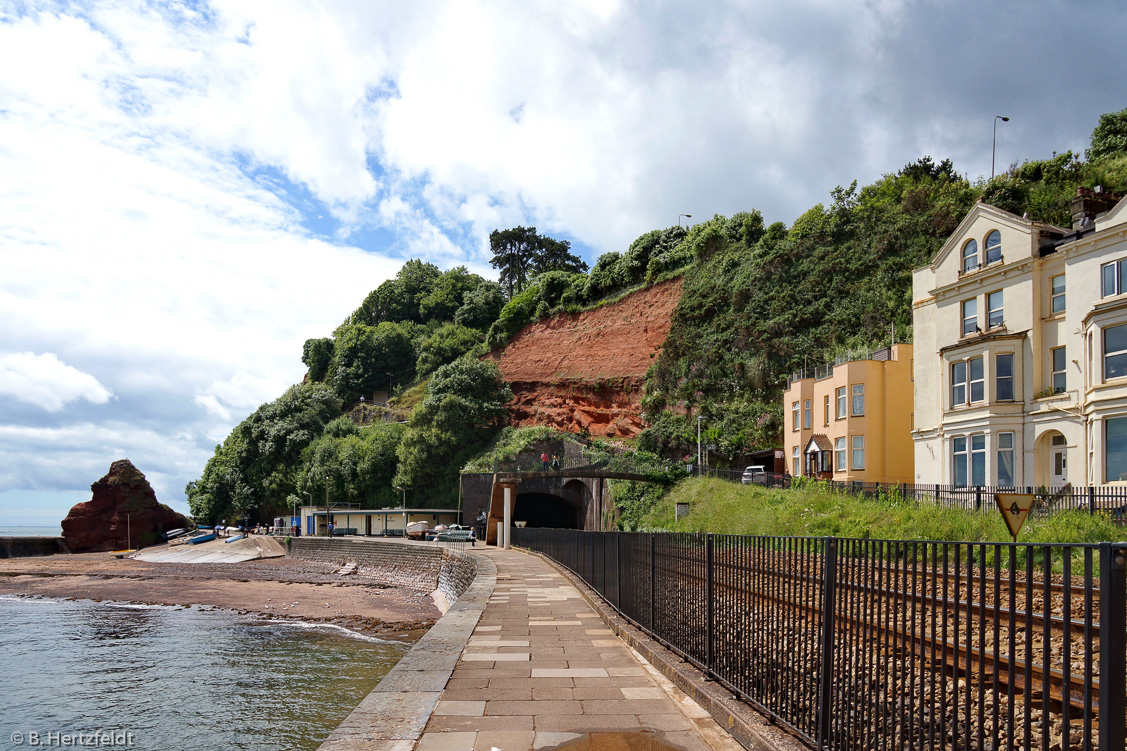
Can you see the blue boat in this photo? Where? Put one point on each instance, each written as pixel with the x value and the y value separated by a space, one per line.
pixel 202 538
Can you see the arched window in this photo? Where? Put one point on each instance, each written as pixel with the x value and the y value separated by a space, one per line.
pixel 970 256
pixel 993 247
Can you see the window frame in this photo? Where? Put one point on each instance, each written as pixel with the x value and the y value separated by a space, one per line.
pixel 959 448
pixel 973 382
pixel 839 454
pixel 995 316
pixel 826 409
pixel 999 378
pixel 1056 295
pixel 842 403
pixel 959 383
pixel 856 391
pixel 1121 459
pixel 854 448
pixel 807 414
pixel 969 260
pixel 794 417
pixel 1111 277
pixel 797 456
pixel 970 319
pixel 1105 354
pixel 988 248
pixel 1000 451
pixel 1055 371
pixel 977 459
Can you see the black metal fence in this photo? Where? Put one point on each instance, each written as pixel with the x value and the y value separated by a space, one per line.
pixel 873 644
pixel 1097 499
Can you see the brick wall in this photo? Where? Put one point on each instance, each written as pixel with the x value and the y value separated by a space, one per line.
pixel 401 564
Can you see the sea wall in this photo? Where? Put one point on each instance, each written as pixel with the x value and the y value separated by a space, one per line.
pixel 401 563
pixel 394 714
pixel 27 547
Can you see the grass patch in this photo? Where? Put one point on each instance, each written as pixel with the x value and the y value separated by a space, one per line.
pixel 729 508
pixel 404 403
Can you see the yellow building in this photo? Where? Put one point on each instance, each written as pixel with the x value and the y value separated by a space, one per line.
pixel 852 420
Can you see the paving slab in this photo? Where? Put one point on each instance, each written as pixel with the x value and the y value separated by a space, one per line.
pixel 540 670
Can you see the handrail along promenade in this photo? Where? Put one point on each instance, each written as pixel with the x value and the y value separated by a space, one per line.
pixel 859 644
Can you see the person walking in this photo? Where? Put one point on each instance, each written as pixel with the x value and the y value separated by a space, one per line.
pixel 544 461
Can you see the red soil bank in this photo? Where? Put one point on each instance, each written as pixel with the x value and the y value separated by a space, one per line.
pixel 583 372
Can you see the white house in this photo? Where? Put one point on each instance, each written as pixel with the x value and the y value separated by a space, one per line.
pixel 1020 364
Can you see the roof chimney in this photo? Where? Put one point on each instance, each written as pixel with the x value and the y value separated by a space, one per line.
pixel 1088 204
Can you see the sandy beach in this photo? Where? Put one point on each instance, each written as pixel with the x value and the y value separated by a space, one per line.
pixel 275 587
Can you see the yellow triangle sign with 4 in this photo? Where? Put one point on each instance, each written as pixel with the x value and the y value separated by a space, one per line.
pixel 1014 507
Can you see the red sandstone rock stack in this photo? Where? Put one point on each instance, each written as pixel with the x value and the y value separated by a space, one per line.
pixel 101 524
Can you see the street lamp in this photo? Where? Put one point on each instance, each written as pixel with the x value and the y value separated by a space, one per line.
pixel 699 418
pixel 687 216
pixel 994 148
pixel 404 507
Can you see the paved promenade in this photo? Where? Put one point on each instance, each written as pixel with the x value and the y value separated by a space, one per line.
pixel 541 670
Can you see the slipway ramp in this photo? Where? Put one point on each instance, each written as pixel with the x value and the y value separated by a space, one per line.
pixel 216 551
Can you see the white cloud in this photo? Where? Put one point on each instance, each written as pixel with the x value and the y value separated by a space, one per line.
pixel 180 182
pixel 47 382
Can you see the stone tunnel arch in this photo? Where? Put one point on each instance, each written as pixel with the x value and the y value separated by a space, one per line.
pixel 561 506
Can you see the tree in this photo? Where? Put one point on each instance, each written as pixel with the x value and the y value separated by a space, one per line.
pixel 398 299
pixel 481 306
pixel 464 405
pixel 513 251
pixel 520 252
pixel 445 345
pixel 365 355
pixel 254 471
pixel 1109 136
pixel 317 354
pixel 447 294
pixel 556 255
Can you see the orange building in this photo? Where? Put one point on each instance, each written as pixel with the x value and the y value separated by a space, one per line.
pixel 852 420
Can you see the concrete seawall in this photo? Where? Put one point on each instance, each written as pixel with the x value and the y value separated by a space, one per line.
pixel 415 565
pixel 393 715
pixel 27 547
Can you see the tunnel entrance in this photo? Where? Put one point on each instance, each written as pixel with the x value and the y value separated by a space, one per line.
pixel 545 510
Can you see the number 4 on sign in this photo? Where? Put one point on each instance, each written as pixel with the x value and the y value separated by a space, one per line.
pixel 1014 507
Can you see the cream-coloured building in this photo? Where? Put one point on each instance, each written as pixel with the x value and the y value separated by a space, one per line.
pixel 1020 332
pixel 852 421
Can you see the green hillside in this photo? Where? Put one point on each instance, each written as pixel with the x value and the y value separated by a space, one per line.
pixel 758 301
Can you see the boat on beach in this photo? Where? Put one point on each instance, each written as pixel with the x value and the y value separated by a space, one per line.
pixel 206 537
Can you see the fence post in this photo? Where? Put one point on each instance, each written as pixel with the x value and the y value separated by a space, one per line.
pixel 710 609
pixel 937 492
pixel 825 681
pixel 977 497
pixel 1113 644
pixel 1091 500
pixel 653 594
pixel 618 569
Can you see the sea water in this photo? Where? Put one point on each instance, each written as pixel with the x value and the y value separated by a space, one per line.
pixel 174 678
pixel 31 531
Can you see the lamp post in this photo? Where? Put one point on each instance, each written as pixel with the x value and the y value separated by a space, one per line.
pixel 994 148
pixel 328 519
pixel 687 216
pixel 404 507
pixel 310 497
pixel 699 418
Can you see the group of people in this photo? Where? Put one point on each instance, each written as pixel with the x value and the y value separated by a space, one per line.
pixel 553 464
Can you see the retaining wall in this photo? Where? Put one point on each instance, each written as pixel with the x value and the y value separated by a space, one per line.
pixel 27 547
pixel 400 563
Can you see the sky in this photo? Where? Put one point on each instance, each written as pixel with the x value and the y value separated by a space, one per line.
pixel 190 190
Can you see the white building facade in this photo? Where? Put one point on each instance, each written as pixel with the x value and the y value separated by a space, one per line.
pixel 1020 371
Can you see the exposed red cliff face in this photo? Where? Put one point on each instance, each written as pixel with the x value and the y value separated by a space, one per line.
pixel 583 373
